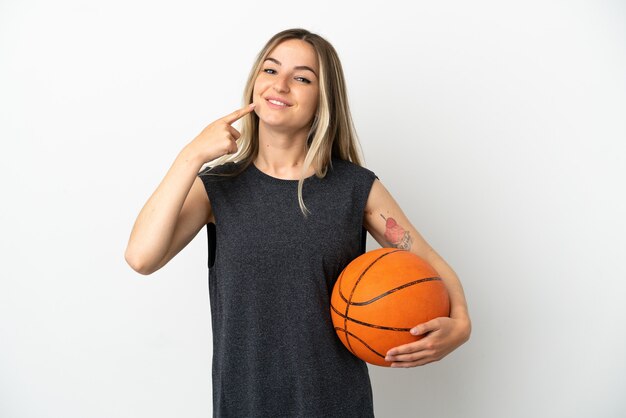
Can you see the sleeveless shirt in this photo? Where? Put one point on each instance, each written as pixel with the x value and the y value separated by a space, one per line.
pixel 271 275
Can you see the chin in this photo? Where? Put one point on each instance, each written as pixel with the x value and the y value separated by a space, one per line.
pixel 273 120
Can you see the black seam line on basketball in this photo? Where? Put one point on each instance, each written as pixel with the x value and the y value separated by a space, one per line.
pixel 349 301
pixel 367 302
pixel 363 342
pixel 365 271
pixel 367 324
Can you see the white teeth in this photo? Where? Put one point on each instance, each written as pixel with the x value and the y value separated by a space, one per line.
pixel 276 102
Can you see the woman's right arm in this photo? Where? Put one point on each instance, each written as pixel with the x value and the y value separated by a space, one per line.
pixel 180 207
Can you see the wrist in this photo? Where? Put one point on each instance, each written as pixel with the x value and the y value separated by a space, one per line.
pixel 188 157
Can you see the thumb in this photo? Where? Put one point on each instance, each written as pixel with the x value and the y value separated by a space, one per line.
pixel 426 327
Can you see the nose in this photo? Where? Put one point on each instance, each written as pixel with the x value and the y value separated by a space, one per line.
pixel 281 84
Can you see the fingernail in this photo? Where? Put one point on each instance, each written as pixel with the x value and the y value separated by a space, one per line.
pixel 252 105
pixel 388 358
pixel 414 331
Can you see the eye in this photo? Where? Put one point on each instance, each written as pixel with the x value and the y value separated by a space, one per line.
pixel 269 71
pixel 304 80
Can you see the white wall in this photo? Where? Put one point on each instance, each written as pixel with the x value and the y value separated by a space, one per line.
pixel 498 126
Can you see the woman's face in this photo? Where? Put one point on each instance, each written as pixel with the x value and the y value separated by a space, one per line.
pixel 286 88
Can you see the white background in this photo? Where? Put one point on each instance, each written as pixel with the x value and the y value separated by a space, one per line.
pixel 498 126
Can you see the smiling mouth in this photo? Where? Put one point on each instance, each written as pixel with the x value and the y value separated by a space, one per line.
pixel 278 102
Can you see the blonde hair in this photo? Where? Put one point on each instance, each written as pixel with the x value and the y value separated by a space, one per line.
pixel 332 132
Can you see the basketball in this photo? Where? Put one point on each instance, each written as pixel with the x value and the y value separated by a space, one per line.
pixel 380 296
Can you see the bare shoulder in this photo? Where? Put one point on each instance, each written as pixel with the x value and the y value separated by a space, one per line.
pixel 380 202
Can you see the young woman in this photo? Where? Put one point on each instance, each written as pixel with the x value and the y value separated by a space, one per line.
pixel 287 205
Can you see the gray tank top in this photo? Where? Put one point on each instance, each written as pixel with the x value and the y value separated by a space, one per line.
pixel 271 274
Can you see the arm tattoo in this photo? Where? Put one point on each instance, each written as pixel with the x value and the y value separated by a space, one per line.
pixel 395 235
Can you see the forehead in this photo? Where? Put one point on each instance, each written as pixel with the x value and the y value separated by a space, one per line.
pixel 295 52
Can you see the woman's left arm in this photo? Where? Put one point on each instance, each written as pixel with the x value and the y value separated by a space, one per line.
pixel 386 222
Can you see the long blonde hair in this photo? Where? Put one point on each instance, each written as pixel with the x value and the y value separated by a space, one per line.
pixel 332 132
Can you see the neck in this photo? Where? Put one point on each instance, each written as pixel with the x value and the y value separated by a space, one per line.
pixel 281 153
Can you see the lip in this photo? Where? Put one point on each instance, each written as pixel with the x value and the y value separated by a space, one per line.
pixel 278 99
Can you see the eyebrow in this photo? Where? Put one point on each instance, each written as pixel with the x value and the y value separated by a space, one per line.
pixel 298 67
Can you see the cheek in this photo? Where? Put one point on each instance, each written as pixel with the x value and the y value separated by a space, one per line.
pixel 255 89
pixel 259 86
pixel 313 100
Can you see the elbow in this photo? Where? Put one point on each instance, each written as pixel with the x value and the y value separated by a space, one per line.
pixel 467 331
pixel 138 263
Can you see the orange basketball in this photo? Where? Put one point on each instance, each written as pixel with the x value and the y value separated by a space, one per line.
pixel 380 296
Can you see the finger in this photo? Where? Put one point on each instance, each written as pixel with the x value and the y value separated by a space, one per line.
pixel 407 364
pixel 233 132
pixel 410 348
pixel 426 327
pixel 233 148
pixel 413 356
pixel 238 114
pixel 404 349
pixel 425 342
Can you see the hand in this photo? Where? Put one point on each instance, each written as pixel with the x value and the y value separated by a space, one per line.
pixel 441 337
pixel 219 138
